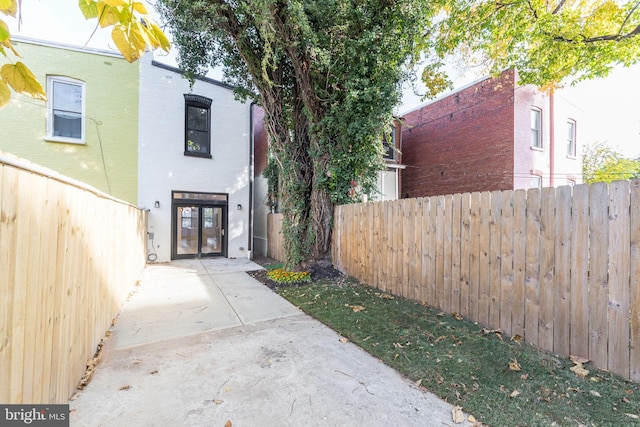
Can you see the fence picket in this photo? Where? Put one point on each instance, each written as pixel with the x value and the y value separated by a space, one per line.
pixel 495 260
pixel 562 266
pixel 634 280
pixel 447 246
pixel 484 282
pixel 546 278
pixel 465 253
pixel 519 262
pixel 532 266
pixel 598 273
pixel 619 223
pixel 456 239
pixel 579 341
pixel 474 261
pixel 506 273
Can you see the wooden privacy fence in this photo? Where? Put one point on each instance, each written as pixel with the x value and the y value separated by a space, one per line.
pixel 69 256
pixel 558 266
pixel 275 242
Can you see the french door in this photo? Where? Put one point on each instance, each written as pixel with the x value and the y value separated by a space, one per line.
pixel 198 229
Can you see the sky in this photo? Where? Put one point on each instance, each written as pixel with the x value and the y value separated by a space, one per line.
pixel 611 105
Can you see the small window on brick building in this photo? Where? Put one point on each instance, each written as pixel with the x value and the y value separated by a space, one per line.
pixel 571 138
pixel 197 126
pixel 536 128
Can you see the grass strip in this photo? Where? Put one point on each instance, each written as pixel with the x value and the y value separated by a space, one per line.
pixel 500 381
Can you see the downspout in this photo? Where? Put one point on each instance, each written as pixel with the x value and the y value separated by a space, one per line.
pixel 552 137
pixel 251 172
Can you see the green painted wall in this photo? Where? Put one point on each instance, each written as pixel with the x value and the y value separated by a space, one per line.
pixel 109 158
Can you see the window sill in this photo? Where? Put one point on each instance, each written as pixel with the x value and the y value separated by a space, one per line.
pixel 65 140
pixel 201 155
pixel 571 157
pixel 540 149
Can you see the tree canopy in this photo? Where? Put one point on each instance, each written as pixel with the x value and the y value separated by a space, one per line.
pixel 133 31
pixel 547 41
pixel 601 163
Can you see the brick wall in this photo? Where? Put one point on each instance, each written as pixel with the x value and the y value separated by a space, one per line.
pixel 463 142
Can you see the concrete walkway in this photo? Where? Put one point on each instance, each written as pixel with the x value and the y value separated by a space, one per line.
pixel 201 343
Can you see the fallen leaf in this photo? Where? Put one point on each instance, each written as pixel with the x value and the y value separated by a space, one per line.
pixel 125 387
pixel 228 423
pixel 457 415
pixel 471 419
pixel 344 340
pixel 153 372
pixel 357 308
pixel 578 360
pixel 634 416
pixel 456 316
pixel 517 338
pixel 218 401
pixel 514 365
pixel 579 370
pixel 515 393
pixel 439 379
pixel 594 393
pixel 524 377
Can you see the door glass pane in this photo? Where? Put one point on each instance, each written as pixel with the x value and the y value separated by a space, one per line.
pixel 187 230
pixel 211 230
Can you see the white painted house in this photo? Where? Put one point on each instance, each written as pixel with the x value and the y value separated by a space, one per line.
pixel 194 165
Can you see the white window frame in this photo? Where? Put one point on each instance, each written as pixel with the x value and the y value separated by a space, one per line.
pixel 538 144
pixel 538 179
pixel 50 117
pixel 572 145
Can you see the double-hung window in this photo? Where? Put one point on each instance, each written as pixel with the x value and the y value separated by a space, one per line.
pixel 536 128
pixel 65 110
pixel 571 138
pixel 197 124
pixel 390 143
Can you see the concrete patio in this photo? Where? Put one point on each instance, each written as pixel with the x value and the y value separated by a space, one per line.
pixel 201 343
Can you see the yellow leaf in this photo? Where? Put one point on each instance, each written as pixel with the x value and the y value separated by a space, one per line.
pixel 9 7
pixel 344 340
pixel 357 308
pixel 22 80
pixel 127 47
pixel 514 393
pixel 5 94
pixel 472 419
pixel 228 424
pixel 161 37
pixel 115 3
pixel 139 7
pixel 107 15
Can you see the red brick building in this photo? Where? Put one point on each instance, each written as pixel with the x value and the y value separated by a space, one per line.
pixel 491 135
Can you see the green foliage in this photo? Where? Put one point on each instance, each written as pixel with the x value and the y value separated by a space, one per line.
pixel 601 163
pixel 547 41
pixel 327 73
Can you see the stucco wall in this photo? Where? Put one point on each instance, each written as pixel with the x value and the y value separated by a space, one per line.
pixel 163 167
pixel 111 120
